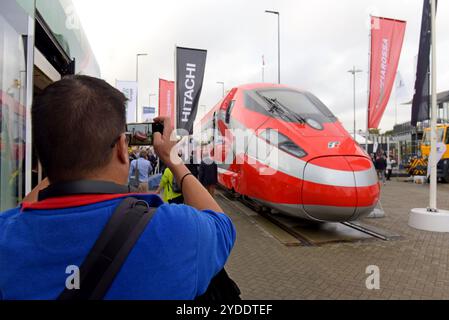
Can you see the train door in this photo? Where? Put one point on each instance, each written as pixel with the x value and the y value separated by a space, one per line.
pixel 225 142
pixel 44 74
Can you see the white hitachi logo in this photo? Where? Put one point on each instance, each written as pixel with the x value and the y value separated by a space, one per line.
pixel 188 94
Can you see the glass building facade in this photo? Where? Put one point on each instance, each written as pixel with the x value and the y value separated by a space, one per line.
pixel 33 33
pixel 16 37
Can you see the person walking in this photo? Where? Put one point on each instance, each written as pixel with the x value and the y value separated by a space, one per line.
pixel 139 172
pixel 192 166
pixel 381 165
pixel 208 173
pixel 389 168
pixel 153 160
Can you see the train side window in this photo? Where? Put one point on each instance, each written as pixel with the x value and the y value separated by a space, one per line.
pixel 447 135
pixel 229 111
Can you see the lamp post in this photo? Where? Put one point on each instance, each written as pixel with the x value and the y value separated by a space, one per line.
pixel 279 42
pixel 354 71
pixel 222 84
pixel 137 81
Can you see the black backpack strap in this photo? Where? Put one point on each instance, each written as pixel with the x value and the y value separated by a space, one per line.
pixel 111 249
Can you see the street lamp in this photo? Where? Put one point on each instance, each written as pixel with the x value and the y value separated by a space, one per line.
pixel 222 84
pixel 354 71
pixel 137 81
pixel 279 42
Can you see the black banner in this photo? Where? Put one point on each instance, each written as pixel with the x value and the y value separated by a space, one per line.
pixel 421 98
pixel 190 66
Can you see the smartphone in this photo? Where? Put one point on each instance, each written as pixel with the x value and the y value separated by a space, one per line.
pixel 142 133
pixel 158 127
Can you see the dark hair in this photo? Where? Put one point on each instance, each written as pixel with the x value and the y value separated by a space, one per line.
pixel 75 120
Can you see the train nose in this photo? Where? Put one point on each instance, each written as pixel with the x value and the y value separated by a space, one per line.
pixel 339 188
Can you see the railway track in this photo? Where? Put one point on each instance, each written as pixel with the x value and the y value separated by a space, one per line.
pixel 313 234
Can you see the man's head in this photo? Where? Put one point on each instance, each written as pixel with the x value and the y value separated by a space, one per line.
pixel 78 130
pixel 143 154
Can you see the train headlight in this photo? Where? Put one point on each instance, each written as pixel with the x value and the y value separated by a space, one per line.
pixel 314 124
pixel 282 142
pixel 290 147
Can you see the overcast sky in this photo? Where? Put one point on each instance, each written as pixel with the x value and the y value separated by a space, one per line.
pixel 320 41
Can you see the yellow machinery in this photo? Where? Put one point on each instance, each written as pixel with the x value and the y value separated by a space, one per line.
pixel 418 166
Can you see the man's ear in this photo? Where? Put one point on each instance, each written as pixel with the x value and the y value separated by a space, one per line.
pixel 122 150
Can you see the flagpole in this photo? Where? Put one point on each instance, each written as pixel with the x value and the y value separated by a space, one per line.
pixel 433 136
pixel 175 107
pixel 368 82
pixel 396 101
pixel 263 69
pixel 432 219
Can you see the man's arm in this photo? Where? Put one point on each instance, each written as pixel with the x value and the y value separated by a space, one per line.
pixel 194 193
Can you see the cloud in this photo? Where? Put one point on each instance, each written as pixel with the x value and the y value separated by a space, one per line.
pixel 320 41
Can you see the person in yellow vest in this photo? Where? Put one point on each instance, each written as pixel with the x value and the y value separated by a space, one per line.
pixel 170 190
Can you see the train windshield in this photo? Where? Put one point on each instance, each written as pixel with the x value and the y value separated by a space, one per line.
pixel 303 104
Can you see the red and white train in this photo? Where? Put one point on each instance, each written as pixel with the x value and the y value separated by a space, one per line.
pixel 295 156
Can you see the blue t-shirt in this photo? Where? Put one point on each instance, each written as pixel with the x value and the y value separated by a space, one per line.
pixel 143 166
pixel 176 256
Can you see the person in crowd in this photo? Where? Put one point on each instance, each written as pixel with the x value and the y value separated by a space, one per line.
pixel 140 170
pixel 381 165
pixel 153 160
pixel 167 184
pixel 192 166
pixel 208 172
pixel 134 154
pixel 175 257
pixel 390 163
pixel 373 158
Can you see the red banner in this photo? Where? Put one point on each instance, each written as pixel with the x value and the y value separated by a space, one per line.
pixel 167 99
pixel 387 36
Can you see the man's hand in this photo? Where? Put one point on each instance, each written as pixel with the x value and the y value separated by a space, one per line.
pixel 194 193
pixel 164 144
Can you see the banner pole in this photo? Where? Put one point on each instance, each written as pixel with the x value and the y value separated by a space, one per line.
pixel 175 107
pixel 368 82
pixel 433 146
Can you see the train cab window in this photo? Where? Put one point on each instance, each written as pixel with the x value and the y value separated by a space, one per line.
pixel 304 104
pixel 229 111
pixel 447 136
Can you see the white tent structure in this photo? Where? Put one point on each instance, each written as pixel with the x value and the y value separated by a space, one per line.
pixel 361 140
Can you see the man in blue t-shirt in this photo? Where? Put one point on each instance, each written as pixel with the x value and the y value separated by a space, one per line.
pixel 141 167
pixel 49 235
